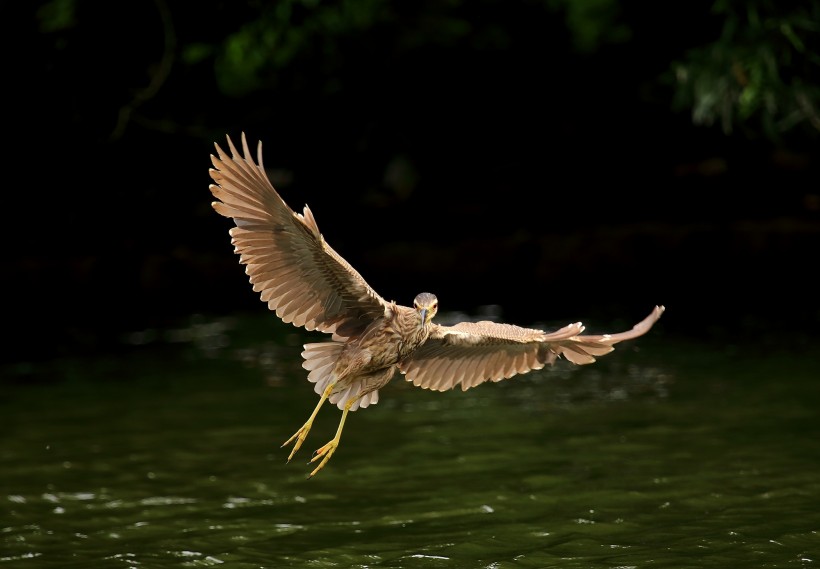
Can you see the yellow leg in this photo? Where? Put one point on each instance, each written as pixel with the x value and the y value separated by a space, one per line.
pixel 328 450
pixel 300 435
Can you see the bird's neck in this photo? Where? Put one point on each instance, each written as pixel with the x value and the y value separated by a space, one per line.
pixel 412 328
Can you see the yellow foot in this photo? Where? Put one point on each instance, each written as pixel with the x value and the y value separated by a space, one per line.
pixel 299 436
pixel 326 452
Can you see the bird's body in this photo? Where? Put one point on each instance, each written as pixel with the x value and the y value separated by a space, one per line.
pixel 362 365
pixel 310 285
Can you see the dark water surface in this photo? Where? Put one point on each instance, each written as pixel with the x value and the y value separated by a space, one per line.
pixel 665 453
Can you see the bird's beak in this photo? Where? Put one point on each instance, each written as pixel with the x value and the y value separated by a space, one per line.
pixel 424 316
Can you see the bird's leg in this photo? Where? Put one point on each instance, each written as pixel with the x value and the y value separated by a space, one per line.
pixel 300 435
pixel 328 450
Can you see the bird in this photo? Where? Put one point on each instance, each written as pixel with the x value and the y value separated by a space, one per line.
pixel 309 285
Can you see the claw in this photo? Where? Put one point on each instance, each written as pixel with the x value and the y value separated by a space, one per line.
pixel 299 436
pixel 327 451
pixel 324 453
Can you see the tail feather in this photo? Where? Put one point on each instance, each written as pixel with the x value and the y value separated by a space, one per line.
pixel 320 359
pixel 341 397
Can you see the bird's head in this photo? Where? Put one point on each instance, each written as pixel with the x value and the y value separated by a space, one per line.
pixel 426 304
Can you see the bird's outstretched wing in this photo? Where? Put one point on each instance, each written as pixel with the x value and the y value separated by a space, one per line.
pixel 288 261
pixel 471 353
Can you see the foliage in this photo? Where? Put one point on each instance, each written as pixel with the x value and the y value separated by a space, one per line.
pixel 760 74
pixel 290 33
pixel 593 23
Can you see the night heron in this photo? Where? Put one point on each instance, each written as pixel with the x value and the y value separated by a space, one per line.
pixel 309 285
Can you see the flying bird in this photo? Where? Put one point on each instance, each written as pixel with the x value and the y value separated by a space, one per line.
pixel 308 284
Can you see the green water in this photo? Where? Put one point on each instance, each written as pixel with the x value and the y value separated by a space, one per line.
pixel 663 454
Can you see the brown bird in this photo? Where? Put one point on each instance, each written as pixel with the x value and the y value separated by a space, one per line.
pixel 309 285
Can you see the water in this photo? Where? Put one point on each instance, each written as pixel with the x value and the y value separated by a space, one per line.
pixel 665 453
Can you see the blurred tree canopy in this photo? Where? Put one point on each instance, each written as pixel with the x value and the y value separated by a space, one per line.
pixel 761 74
pixel 743 65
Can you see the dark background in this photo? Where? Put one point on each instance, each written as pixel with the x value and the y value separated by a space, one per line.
pixel 564 159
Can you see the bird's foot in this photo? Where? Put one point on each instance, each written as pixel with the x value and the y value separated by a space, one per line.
pixel 299 436
pixel 324 453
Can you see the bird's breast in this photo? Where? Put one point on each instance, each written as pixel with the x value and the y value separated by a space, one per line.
pixel 411 338
pixel 394 340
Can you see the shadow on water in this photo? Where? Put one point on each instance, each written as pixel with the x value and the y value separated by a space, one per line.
pixel 666 453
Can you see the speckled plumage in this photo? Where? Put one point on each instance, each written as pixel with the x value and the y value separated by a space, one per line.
pixel 308 284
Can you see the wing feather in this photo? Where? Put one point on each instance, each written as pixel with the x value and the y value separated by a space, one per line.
pixel 286 258
pixel 471 368
pixel 470 353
